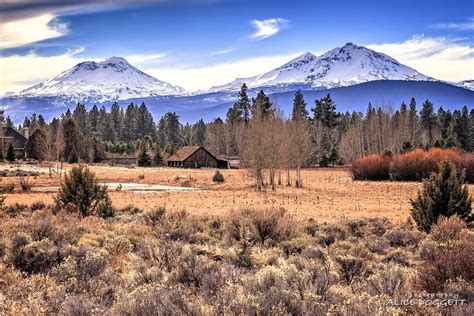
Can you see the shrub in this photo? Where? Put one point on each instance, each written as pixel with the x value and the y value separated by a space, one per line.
pixel 25 183
pixel 400 237
pixel 105 208
pixel 156 300
pixel 349 267
pixel 10 154
pixel 16 209
pixel 448 229
pixel 444 263
pixel 443 194
pixel 2 249
pixel 80 191
pixel 397 257
pixel 467 164
pixel 372 167
pixel 218 177
pixel 419 164
pixel 377 244
pixel 33 256
pixel 8 188
pixel 154 216
pixel 266 223
pixel 37 206
pixel 389 281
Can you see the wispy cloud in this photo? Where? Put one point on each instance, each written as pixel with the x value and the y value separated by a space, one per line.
pixel 146 58
pixel 30 30
pixel 443 58
pixel 463 26
pixel 267 28
pixel 222 51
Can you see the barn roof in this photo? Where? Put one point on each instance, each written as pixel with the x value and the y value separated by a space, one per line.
pixel 183 153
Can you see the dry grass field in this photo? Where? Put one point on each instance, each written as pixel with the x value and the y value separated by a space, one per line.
pixel 328 194
pixel 225 249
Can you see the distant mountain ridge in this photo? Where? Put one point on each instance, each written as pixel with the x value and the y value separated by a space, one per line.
pixel 339 67
pixel 109 80
pixel 354 75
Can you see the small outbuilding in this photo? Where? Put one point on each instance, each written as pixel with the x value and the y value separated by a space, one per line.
pixel 196 157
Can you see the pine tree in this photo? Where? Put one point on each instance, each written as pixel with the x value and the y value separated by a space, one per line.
pixel 116 120
pixel 299 107
pixel 36 147
pixel 412 122
pixel 234 114
pixel 161 132
pixel 199 133
pixel 10 154
pixel 172 130
pixel 81 118
pixel 157 157
pixel 444 120
pixel 471 130
pixel 130 124
pixel 262 104
pixel 428 120
pixel 144 153
pixel 71 141
pixel 443 194
pixel 94 119
pixel 461 128
pixel 9 122
pixel 243 104
pixel 97 151
pixel 325 112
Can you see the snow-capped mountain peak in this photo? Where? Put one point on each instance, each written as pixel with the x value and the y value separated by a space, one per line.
pixel 342 66
pixel 111 79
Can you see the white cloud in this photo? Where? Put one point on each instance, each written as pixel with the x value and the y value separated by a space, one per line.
pixel 202 78
pixel 145 58
pixel 30 30
pixel 267 28
pixel 22 71
pixel 464 26
pixel 222 51
pixel 438 57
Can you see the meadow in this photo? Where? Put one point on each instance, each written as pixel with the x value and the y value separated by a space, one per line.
pixel 336 246
pixel 329 194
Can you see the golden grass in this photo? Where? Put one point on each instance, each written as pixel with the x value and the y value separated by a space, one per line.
pixel 328 194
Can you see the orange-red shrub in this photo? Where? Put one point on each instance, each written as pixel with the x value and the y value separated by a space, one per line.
pixel 418 164
pixel 372 167
pixel 467 163
pixel 411 166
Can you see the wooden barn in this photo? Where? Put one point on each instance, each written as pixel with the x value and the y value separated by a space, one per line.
pixel 196 157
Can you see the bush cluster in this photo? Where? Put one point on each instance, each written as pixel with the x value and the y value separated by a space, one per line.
pixel 411 166
pixel 250 262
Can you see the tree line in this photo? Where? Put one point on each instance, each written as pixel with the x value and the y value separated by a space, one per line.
pixel 255 130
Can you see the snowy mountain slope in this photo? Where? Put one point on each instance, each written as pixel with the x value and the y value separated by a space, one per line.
pixel 112 79
pixel 342 66
pixel 466 84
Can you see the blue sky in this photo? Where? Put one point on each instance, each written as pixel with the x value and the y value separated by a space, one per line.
pixel 198 44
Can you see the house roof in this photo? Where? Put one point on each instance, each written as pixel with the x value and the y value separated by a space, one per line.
pixel 183 153
pixel 19 141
